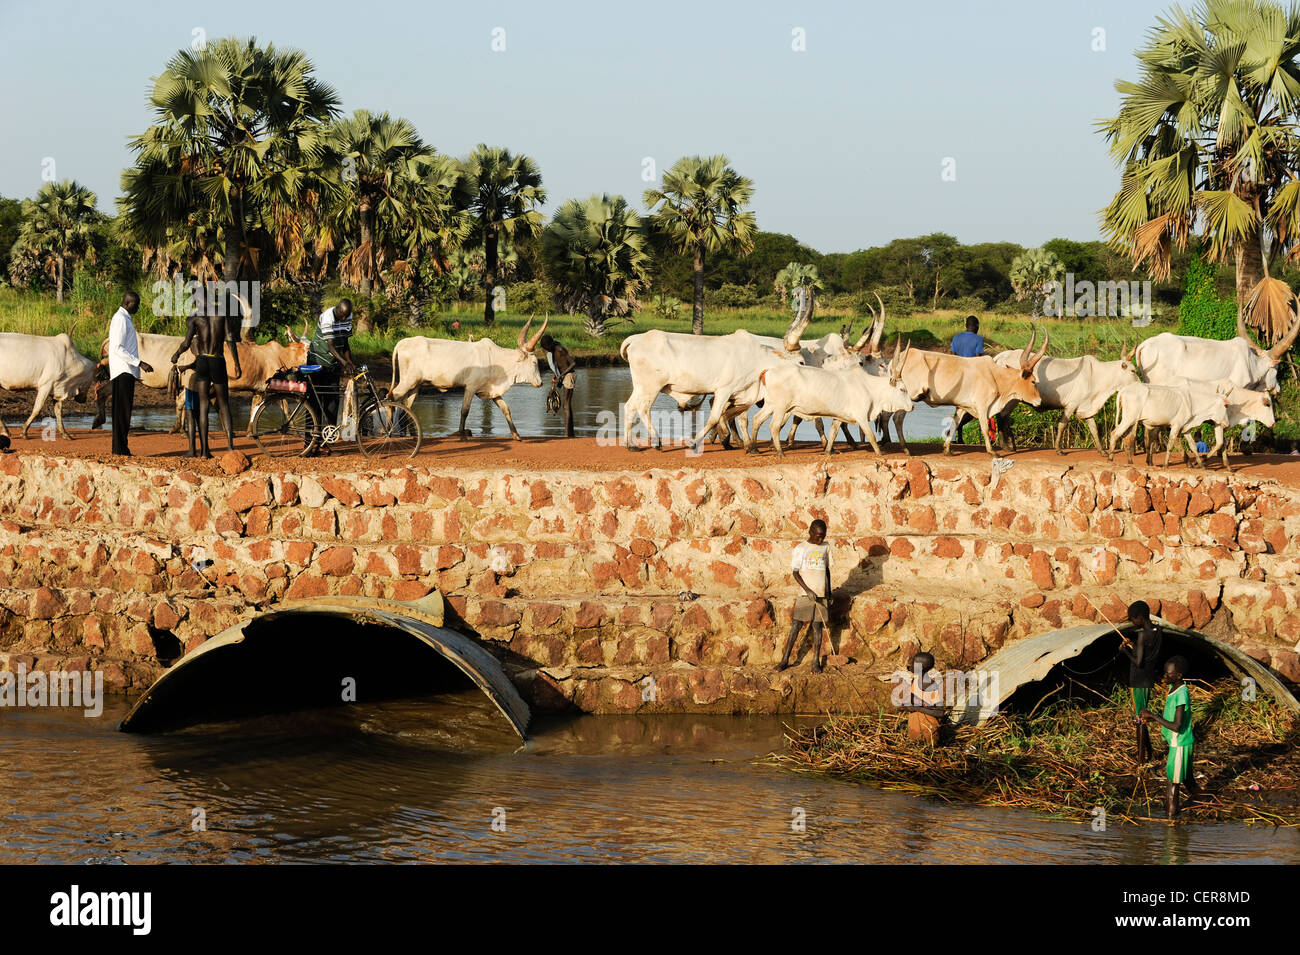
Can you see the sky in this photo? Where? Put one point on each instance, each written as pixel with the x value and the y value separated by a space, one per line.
pixel 893 120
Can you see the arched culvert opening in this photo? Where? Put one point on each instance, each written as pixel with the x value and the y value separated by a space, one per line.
pixel 1025 672
pixel 311 657
pixel 1099 667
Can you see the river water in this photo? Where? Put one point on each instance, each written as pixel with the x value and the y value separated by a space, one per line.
pixel 424 780
pixel 598 398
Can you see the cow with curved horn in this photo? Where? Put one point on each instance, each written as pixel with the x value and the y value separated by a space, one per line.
pixel 976 386
pixel 686 367
pixel 483 368
pixel 1240 360
pixel 1080 387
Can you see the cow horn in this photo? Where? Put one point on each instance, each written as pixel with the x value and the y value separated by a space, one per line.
pixel 1029 349
pixel 532 342
pixel 1038 356
pixel 523 333
pixel 801 320
pixel 1284 343
pixel 880 325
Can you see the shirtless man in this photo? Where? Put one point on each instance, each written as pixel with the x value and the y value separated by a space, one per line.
pixel 206 328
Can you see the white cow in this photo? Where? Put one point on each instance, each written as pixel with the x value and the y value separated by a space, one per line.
pixel 483 368
pixel 51 366
pixel 1180 407
pixel 846 395
pixel 1240 360
pixel 1080 387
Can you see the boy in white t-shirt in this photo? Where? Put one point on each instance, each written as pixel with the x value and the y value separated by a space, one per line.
pixel 811 567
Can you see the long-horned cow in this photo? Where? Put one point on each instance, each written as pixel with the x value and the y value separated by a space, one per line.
pixel 684 366
pixel 1080 387
pixel 1182 405
pixel 978 386
pixel 1167 356
pixel 50 365
pixel 483 368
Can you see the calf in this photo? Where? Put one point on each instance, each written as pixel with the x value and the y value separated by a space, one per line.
pixel 1181 408
pixel 846 395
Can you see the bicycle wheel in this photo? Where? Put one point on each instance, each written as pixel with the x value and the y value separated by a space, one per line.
pixel 387 430
pixel 285 425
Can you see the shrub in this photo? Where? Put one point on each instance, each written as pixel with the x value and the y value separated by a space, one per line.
pixel 970 304
pixel 1203 312
pixel 734 296
pixel 535 297
pixel 895 299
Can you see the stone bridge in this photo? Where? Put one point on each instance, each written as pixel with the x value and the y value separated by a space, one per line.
pixel 571 578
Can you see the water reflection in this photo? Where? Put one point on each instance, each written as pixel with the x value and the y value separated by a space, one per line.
pixel 420 780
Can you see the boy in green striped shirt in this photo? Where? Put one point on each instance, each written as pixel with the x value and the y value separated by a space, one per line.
pixel 1177 731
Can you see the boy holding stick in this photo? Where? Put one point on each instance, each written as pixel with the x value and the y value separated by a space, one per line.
pixel 810 566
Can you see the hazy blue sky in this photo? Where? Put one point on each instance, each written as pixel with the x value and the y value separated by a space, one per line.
pixel 845 141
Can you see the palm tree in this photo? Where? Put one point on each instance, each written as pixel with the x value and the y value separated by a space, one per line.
pixel 1032 270
pixel 595 255
pixel 57 226
pixel 1207 140
pixel 240 132
pixel 797 282
pixel 500 191
pixel 700 211
pixel 377 155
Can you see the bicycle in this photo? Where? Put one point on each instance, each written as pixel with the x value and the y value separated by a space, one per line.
pixel 287 423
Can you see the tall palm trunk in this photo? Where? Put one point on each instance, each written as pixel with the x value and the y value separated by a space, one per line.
pixel 233 234
pixel 58 295
pixel 489 275
pixel 697 317
pixel 1249 257
pixel 367 242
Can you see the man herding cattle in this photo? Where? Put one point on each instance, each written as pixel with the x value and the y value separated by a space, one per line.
pixel 124 367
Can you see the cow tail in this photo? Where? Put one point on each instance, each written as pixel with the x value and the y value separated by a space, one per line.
pixel 622 349
pixel 392 385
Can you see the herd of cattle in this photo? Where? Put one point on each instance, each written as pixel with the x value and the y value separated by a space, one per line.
pixel 1188 381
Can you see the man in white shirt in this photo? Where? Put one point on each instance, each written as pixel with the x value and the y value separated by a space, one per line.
pixel 810 566
pixel 124 367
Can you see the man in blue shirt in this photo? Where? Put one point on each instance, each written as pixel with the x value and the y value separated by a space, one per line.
pixel 969 344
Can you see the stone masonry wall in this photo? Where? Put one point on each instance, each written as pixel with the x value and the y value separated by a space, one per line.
pixel 573 577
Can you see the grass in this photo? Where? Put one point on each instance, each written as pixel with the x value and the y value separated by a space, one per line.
pixel 1072 756
pixel 92 306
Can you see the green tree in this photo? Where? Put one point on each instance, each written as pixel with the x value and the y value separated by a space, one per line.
pixel 701 211
pixel 1032 270
pixel 11 220
pixel 1206 138
pixel 501 192
pixel 377 155
pixel 58 227
pixel 795 282
pixel 239 140
pixel 595 255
